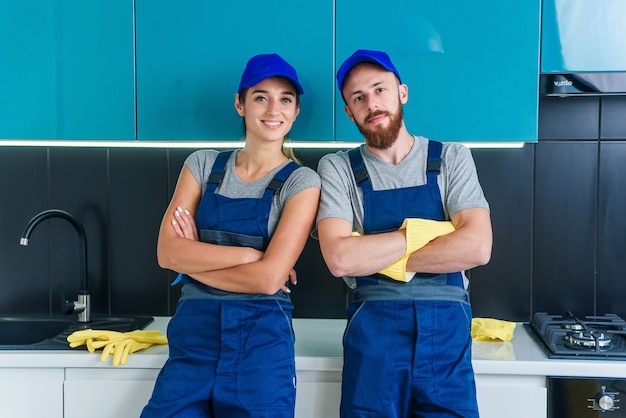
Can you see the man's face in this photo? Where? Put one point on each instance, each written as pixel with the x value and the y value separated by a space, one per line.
pixel 374 101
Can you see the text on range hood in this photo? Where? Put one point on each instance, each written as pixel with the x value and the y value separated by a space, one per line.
pixel 583 84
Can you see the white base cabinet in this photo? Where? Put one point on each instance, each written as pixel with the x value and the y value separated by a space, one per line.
pixel 31 393
pixel 318 394
pixel 512 396
pixel 106 393
pixel 123 392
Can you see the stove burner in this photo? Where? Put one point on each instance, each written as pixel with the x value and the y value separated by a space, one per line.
pixel 601 337
pixel 577 326
pixel 588 339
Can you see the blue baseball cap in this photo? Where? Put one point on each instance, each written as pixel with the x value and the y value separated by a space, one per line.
pixel 362 56
pixel 265 66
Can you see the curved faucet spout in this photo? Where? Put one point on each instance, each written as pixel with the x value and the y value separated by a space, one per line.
pixel 57 213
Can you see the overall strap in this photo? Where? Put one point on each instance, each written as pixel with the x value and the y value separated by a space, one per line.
pixel 272 188
pixel 433 164
pixel 361 176
pixel 282 175
pixel 279 179
pixel 218 169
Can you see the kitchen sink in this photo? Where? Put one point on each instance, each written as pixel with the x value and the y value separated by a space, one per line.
pixel 51 332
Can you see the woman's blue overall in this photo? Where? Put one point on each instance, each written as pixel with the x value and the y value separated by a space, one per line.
pixel 407 346
pixel 231 355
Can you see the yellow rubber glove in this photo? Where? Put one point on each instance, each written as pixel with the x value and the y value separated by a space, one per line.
pixel 397 271
pixel 420 232
pixel 118 344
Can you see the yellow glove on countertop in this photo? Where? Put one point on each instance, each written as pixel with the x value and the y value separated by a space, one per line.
pixel 117 344
pixel 489 329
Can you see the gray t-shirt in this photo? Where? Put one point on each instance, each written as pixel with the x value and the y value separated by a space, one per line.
pixel 201 162
pixel 341 198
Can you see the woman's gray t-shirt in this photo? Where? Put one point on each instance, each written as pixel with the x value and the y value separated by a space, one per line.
pixel 201 162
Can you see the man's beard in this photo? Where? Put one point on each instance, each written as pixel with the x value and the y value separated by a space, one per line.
pixel 378 136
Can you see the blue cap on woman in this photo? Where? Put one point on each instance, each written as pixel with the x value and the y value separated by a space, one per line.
pixel 265 66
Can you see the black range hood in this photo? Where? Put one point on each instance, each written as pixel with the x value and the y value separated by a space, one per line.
pixel 582 84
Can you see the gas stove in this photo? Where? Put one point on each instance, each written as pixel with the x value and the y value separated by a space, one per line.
pixel 565 336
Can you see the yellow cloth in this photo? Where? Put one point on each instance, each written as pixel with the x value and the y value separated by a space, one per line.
pixel 117 344
pixel 490 329
pixel 419 232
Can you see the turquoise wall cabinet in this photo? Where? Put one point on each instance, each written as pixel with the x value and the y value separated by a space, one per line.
pixel 190 56
pixel 67 69
pixel 472 67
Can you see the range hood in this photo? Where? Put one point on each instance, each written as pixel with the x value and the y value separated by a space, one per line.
pixel 583 84
pixel 583 48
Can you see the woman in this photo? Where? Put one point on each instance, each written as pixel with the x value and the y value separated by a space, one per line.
pixel 235 226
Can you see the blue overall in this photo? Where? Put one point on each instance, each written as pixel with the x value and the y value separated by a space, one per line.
pixel 231 355
pixel 407 346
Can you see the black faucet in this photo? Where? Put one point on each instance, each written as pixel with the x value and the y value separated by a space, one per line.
pixel 82 306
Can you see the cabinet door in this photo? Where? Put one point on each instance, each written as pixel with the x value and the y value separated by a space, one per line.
pixel 190 56
pixel 512 396
pixel 318 394
pixel 67 69
pixel 31 393
pixel 583 35
pixel 472 70
pixel 106 393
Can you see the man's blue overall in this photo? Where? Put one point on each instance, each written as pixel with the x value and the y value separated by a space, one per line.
pixel 407 346
pixel 231 354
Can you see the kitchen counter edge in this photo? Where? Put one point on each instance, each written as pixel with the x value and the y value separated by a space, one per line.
pixel 318 348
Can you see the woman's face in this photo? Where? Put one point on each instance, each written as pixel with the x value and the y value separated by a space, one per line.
pixel 269 109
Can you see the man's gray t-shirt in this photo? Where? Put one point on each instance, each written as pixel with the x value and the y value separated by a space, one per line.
pixel 342 198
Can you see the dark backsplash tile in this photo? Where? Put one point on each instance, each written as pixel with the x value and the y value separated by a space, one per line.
pixel 613 120
pixel 569 118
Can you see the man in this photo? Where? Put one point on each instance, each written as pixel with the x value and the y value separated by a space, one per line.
pixel 396 205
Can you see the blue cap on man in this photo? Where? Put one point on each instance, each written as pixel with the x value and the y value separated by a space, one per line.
pixel 265 66
pixel 362 56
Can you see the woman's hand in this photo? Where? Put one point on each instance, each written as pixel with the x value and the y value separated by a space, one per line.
pixel 293 279
pixel 184 224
